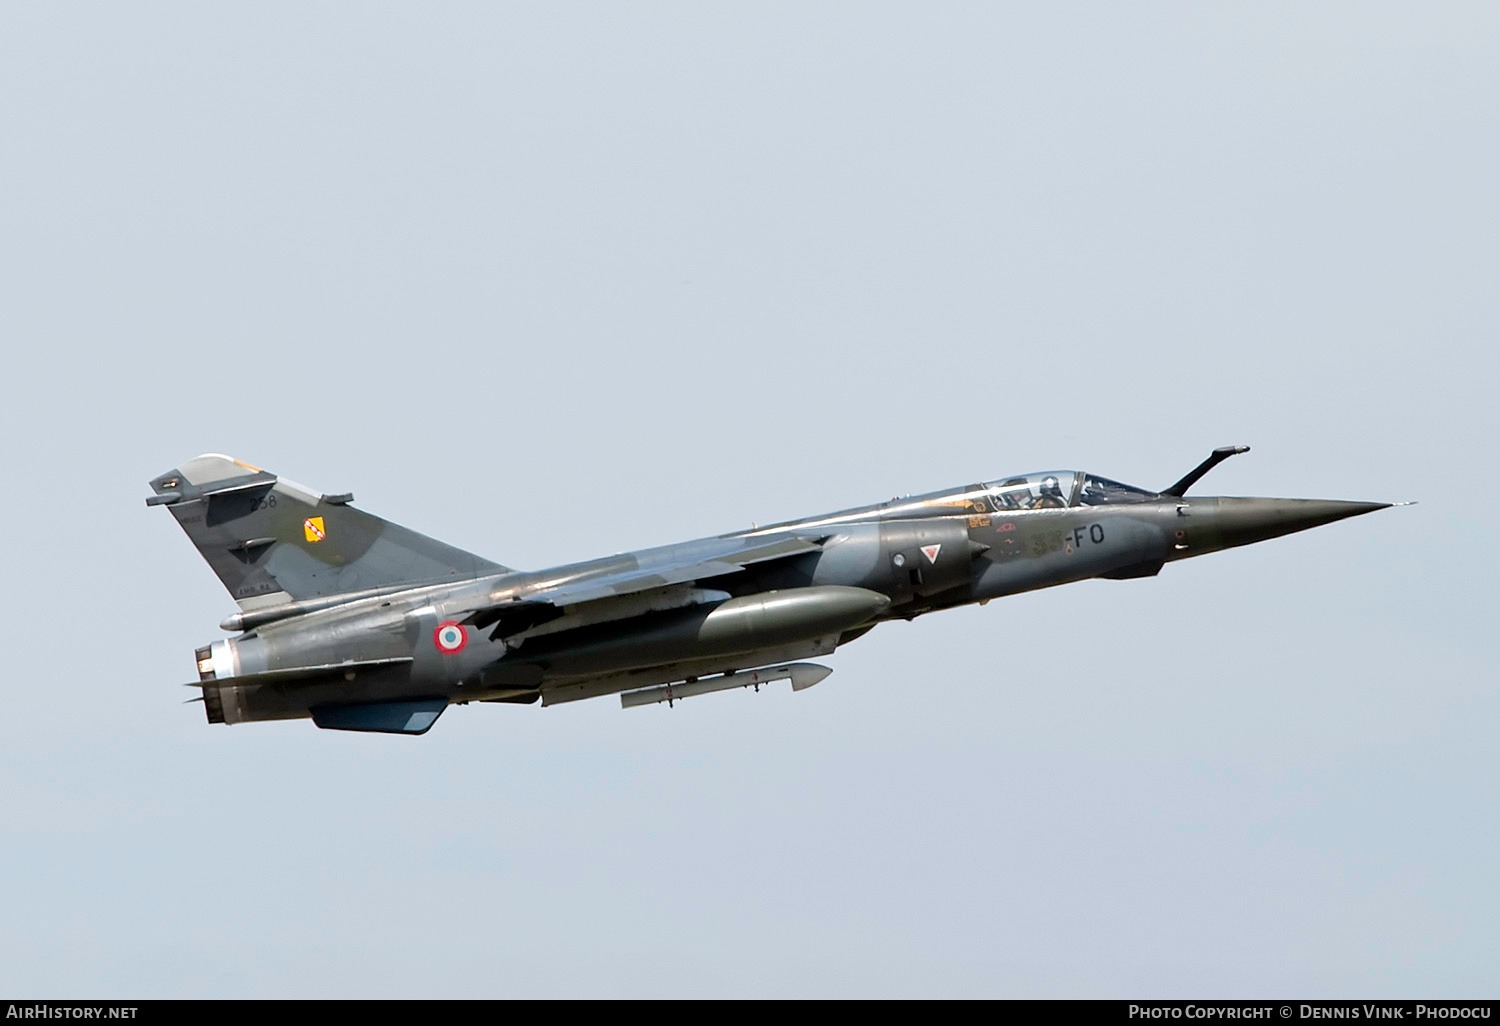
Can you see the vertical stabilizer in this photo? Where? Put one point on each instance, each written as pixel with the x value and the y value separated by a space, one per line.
pixel 272 541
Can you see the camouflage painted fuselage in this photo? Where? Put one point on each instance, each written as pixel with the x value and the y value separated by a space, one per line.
pixel 365 625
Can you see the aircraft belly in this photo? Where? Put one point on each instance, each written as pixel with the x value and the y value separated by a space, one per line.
pixel 741 625
pixel 609 684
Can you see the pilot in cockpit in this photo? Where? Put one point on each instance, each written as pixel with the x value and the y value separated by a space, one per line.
pixel 1051 496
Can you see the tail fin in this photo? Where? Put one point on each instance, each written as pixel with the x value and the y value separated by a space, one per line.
pixel 272 541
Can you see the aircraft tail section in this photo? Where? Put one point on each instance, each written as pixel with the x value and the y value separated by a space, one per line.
pixel 271 541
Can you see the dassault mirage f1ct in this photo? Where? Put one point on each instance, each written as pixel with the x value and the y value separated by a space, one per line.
pixel 363 625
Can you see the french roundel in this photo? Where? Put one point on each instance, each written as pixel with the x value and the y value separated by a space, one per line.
pixel 450 637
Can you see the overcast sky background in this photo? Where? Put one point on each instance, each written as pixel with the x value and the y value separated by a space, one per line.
pixel 558 280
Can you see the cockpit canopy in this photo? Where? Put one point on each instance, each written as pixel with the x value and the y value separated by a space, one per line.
pixel 1101 491
pixel 1057 489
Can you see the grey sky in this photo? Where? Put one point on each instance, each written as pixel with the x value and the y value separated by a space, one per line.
pixel 550 281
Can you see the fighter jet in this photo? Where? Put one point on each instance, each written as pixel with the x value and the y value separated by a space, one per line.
pixel 360 624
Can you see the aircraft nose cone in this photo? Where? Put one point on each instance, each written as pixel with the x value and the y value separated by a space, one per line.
pixel 1243 521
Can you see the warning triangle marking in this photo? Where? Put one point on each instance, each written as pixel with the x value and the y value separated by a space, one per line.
pixel 931 551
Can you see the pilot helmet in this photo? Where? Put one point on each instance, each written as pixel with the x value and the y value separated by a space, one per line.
pixel 1050 486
